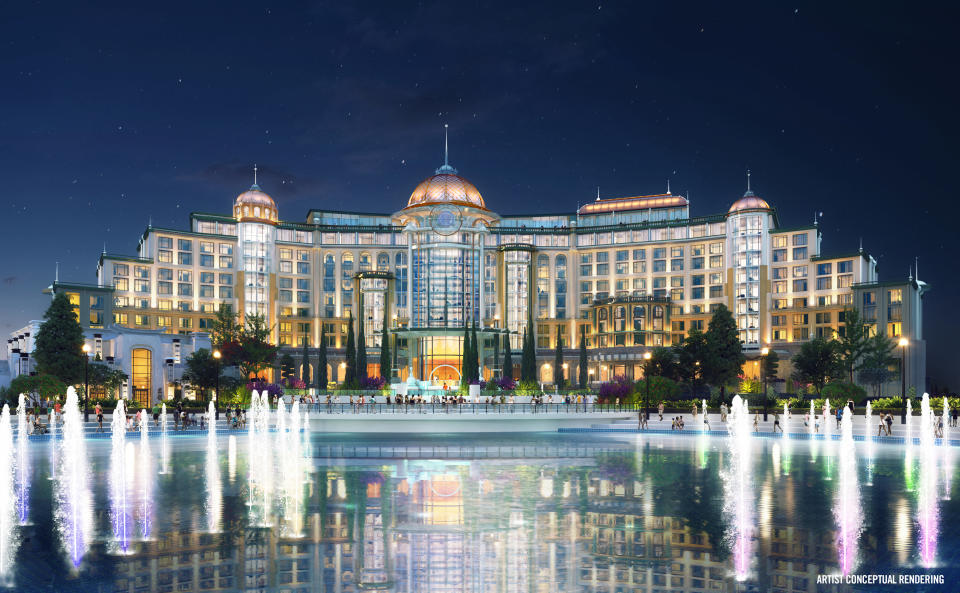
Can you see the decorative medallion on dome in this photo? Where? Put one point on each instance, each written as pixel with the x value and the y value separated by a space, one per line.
pixel 446 219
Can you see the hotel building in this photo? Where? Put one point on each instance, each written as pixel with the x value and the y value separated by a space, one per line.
pixel 632 273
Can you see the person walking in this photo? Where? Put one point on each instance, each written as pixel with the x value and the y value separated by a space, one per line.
pixel 660 411
pixel 98 410
pixel 776 423
pixel 756 422
pixel 953 417
pixel 839 416
pixel 888 419
pixel 643 421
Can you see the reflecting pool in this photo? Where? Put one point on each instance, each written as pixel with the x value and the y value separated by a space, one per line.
pixel 262 510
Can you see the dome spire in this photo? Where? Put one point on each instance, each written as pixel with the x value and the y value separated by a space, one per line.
pixel 749 191
pixel 255 186
pixel 446 168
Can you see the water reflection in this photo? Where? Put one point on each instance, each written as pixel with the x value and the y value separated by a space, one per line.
pixel 544 512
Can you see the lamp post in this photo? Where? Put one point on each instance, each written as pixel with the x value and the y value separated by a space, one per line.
pixel 763 378
pixel 86 380
pixel 216 394
pixel 903 343
pixel 646 376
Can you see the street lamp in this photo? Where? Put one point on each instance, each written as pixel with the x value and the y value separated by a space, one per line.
pixel 646 375
pixel 216 394
pixel 903 343
pixel 763 379
pixel 86 380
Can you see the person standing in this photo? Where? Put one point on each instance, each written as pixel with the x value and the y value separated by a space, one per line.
pixel 660 411
pixel 776 423
pixel 889 420
pixel 98 410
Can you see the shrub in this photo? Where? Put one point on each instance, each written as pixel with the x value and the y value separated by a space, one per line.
pixel 841 391
pixel 505 383
pixel 372 383
pixel 618 387
pixel 528 388
pixel 662 389
pixel 272 389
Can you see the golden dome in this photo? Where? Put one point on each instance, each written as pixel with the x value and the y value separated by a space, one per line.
pixel 446 187
pixel 749 201
pixel 255 205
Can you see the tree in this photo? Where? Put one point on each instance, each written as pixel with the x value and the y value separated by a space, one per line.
pixel 725 351
pixel 44 385
pixel 691 354
pixel 59 342
pixel 474 354
pixel 322 378
pixel 583 358
pixel 662 363
pixel 770 366
pixel 201 372
pixel 361 351
pixel 816 363
pixel 559 379
pixel 305 362
pixel 350 377
pixel 225 328
pixel 385 365
pixel 877 359
pixel 507 357
pixel 853 342
pixel 528 358
pixel 105 376
pixel 256 352
pixel 288 370
pixel 465 359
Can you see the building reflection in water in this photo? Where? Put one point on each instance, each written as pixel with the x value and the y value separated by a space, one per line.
pixel 591 517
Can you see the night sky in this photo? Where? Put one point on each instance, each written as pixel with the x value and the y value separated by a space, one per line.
pixel 115 114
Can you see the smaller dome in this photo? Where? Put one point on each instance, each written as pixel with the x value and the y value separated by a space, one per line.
pixel 255 204
pixel 749 201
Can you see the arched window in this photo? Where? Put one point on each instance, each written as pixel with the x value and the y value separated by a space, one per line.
pixel 383 262
pixel 603 314
pixel 639 318
pixel 560 286
pixel 365 262
pixel 620 319
pixel 246 210
pixel 658 318
pixel 543 286
pixel 256 211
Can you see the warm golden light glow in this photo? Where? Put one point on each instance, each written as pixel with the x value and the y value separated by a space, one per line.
pixel 764 351
pixel 903 342
pixel 216 354
pixel 647 356
pixel 86 348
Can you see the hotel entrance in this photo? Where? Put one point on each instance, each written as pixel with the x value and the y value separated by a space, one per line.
pixel 142 369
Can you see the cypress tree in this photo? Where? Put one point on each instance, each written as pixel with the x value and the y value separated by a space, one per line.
pixel 528 359
pixel 465 359
pixel 350 377
pixel 321 373
pixel 474 354
pixel 361 351
pixel 305 362
pixel 59 342
pixel 507 358
pixel 583 358
pixel 385 347
pixel 558 361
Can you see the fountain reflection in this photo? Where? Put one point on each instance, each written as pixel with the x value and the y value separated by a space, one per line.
pixel 927 510
pixel 23 462
pixel 8 514
pixel 738 488
pixel 74 499
pixel 846 509
pixel 119 466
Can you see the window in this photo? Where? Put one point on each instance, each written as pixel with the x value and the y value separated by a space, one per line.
pixel 185 289
pixel 206 260
pixel 142 286
pixel 824 317
pixel 165 257
pixel 303 267
pixel 226 262
pixel 778 320
pixel 207 277
pixel 716 292
pixel 779 335
pixel 799 271
pixel 676 265
pixel 799 286
pixel 285 295
pixel 165 242
pixel 824 269
pixel 696 263
pixel 780 287
pixel 696 292
pixel 716 248
pixel 676 252
pixel 778 241
pixel 779 255
pixel 845 267
pixel 120 270
pixel 303 296
pixel 825 283
pixel 206 247
pixel 603 269
pixel 659 265
pixel 623 255
pixel 716 261
pixel 184 275
pixel 799 253
pixel 121 284
pixel 895 296
pixel 603 256
pixel 226 292
pixel 164 287
pixel 185 259
pixel 184 245
pixel 142 320
pixel 799 239
pixel 226 249
pixel 206 291
pixel 801 318
pixel 779 273
pixel 639 254
pixel 659 252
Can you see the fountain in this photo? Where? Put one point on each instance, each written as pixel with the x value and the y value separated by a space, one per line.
pixel 909 435
pixel 785 435
pixel 53 448
pixel 706 423
pixel 846 510
pixel 232 457
pixel 164 441
pixel 811 426
pixel 927 511
pixel 118 477
pixel 260 460
pixel 869 441
pixel 74 498
pixel 947 460
pixel 145 471
pixel 23 461
pixel 8 513
pixel 739 488
pixel 214 490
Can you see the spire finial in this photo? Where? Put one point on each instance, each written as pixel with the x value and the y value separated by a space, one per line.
pixel 446 145
pixel 861 244
pixel 909 274
pixel 668 186
pixel 748 181
pixel 56 273
pixel 598 193
pixel 916 268
pixel 104 247
pixel 254 173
